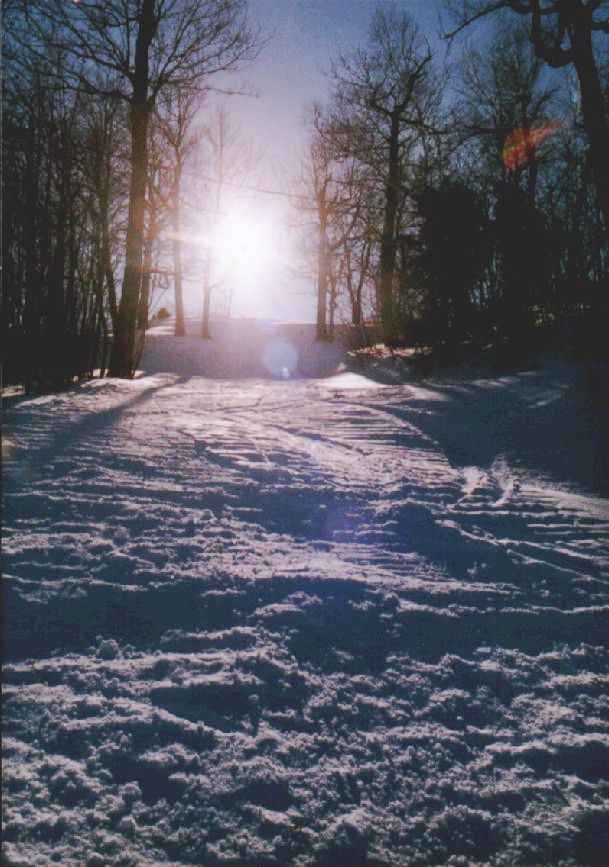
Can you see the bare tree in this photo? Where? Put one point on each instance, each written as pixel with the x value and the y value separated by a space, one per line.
pixel 176 111
pixel 323 191
pixel 228 158
pixel 380 107
pixel 358 236
pixel 336 192
pixel 562 33
pixel 507 107
pixel 104 162
pixel 63 197
pixel 148 45
pixel 158 217
pixel 510 111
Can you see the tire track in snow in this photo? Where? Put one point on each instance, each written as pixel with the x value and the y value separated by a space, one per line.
pixel 498 507
pixel 319 643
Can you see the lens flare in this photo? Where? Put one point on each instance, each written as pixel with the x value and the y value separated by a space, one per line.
pixel 520 144
pixel 280 358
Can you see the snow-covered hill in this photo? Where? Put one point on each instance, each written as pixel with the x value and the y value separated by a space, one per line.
pixel 305 621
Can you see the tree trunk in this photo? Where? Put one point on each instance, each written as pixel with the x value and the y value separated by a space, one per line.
pixel 123 347
pixel 32 174
pixel 356 296
pixel 180 330
pixel 333 305
pixel 74 245
pixel 388 245
pixel 56 316
pixel 143 310
pixel 144 305
pixel 206 302
pixel 596 124
pixel 532 166
pixel 322 284
pixel 206 305
pixel 58 304
pixel 356 311
pixel 124 344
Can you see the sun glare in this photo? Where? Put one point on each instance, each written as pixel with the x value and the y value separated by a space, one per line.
pixel 244 245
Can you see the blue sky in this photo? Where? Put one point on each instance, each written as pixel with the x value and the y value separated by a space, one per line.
pixel 290 74
pixel 307 34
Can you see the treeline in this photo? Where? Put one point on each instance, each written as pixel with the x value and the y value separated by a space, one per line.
pixel 64 198
pixel 452 207
pixel 466 207
pixel 99 111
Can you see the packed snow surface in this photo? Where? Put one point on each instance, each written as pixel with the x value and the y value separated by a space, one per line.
pixel 309 617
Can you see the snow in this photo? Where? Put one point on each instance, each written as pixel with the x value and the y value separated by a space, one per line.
pixel 334 616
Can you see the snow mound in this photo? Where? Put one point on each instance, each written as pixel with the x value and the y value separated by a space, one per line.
pixel 243 348
pixel 347 380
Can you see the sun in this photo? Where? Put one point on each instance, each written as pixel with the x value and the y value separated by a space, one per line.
pixel 244 244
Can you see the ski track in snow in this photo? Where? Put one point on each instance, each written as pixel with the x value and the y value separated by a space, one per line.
pixel 277 623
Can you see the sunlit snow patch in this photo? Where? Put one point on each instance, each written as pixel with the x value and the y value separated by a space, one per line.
pixel 416 392
pixel 280 358
pixel 473 477
pixel 350 380
pixel 9 447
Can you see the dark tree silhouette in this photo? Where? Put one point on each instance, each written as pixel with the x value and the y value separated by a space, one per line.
pixel 381 93
pixel 562 34
pixel 147 45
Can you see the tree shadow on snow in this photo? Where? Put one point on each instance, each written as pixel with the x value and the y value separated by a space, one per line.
pixel 68 433
pixel 555 421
